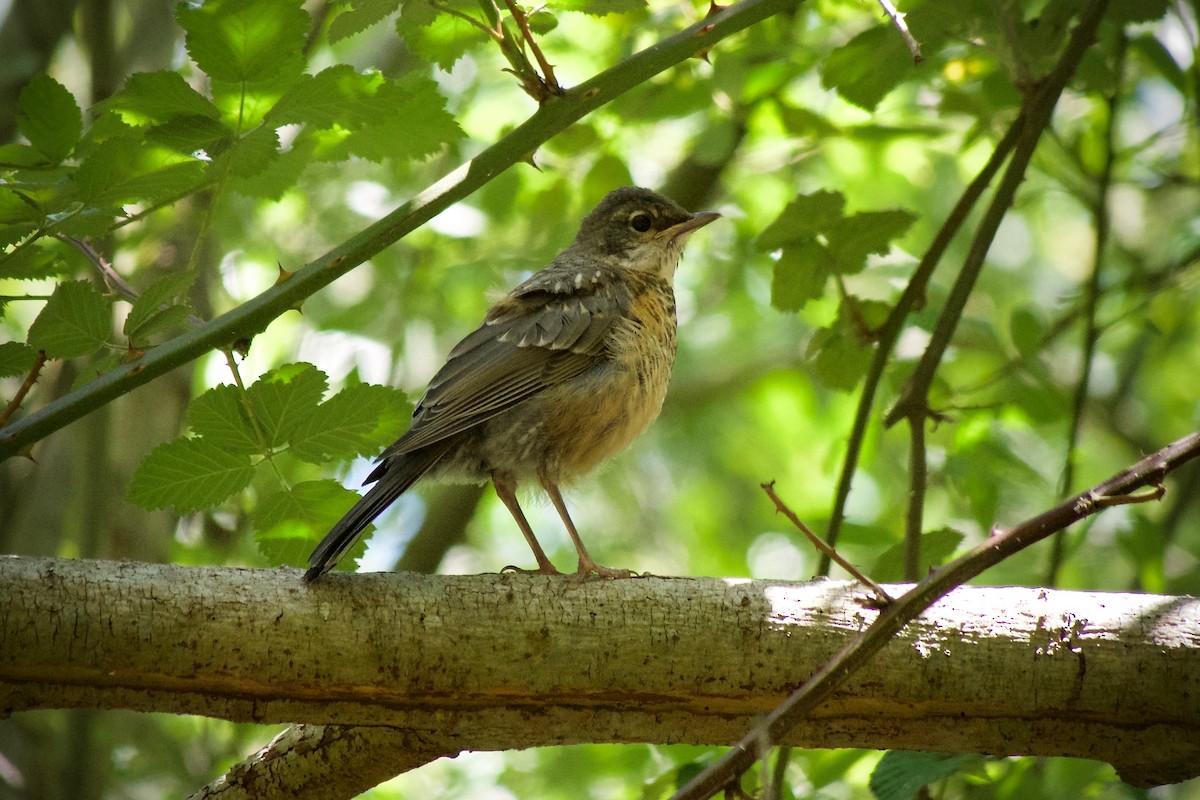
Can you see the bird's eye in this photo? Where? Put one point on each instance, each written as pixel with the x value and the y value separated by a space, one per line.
pixel 640 222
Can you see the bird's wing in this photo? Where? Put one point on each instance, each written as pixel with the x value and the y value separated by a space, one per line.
pixel 548 330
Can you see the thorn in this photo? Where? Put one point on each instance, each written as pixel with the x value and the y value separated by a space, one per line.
pixel 283 274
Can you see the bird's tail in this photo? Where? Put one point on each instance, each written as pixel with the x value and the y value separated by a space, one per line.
pixel 393 478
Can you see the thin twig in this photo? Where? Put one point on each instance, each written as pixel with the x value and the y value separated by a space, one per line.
pixel 1149 471
pixel 111 276
pixel 881 596
pixel 548 79
pixel 897 18
pixel 38 362
pixel 911 299
pixel 913 405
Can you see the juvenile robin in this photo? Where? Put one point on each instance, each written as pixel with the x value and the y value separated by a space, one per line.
pixel 564 371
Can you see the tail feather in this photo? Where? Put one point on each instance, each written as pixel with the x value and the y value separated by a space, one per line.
pixel 392 478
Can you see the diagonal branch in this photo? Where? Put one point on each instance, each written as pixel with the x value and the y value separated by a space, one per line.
pixel 1119 489
pixel 255 315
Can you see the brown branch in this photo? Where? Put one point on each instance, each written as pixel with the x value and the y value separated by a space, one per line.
pixel 498 662
pixel 548 80
pixel 1002 544
pixel 38 362
pixel 912 298
pixel 1036 113
pixel 881 597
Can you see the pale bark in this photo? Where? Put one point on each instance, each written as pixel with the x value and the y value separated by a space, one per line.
pixel 512 661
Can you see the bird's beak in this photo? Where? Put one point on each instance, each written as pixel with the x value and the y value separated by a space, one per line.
pixel 683 229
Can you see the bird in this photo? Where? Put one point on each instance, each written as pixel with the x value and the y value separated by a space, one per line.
pixel 564 371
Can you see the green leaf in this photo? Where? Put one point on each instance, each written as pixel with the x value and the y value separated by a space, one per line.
pixel 246 41
pixel 49 118
pixel 32 262
pixel 75 322
pixel 440 38
pixel 219 417
pixel 936 549
pixel 799 276
pixel 804 218
pixel 899 775
pixel 599 8
pixel 189 475
pixel 188 134
pixel 288 523
pixel 1028 332
pixel 356 421
pixel 409 121
pixel 360 15
pixel 154 98
pixel 20 155
pixel 124 171
pixel 869 66
pixel 285 398
pixel 158 308
pixel 853 238
pixel 16 358
pixel 338 95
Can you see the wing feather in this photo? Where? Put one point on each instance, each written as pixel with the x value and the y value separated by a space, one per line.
pixel 550 329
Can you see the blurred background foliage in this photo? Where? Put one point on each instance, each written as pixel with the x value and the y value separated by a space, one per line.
pixel 1070 362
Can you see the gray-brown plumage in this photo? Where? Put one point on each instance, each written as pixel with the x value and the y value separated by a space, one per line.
pixel 564 372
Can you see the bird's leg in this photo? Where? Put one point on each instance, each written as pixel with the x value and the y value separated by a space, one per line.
pixel 506 490
pixel 586 565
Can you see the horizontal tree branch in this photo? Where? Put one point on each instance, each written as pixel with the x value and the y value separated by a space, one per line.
pixel 512 661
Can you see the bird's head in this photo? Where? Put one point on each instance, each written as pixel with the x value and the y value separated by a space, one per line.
pixel 636 228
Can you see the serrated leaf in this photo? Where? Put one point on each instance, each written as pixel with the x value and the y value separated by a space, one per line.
pixel 246 41
pixel 338 95
pixel 126 170
pixel 804 218
pixel 254 152
pixel 288 523
pixel 219 417
pixel 936 549
pixel 49 117
pixel 356 421
pixel 189 475
pixel 409 121
pixel 868 66
pixel 16 358
pixel 75 322
pixel 285 398
pixel 191 134
pixel 899 775
pixel 32 262
pixel 799 275
pixel 154 98
pixel 15 156
pixel 360 15
pixel 440 38
pixel 853 238
pixel 158 306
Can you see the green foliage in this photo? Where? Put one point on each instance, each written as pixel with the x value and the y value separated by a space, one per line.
pixel 75 321
pixel 834 159
pixel 900 775
pixel 235 432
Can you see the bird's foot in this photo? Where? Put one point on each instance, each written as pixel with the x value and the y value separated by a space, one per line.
pixel 544 569
pixel 588 568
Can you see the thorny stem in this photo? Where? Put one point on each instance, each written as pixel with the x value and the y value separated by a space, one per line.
pixel 36 370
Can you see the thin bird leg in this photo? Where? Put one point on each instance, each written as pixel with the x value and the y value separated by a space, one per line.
pixel 506 490
pixel 587 566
